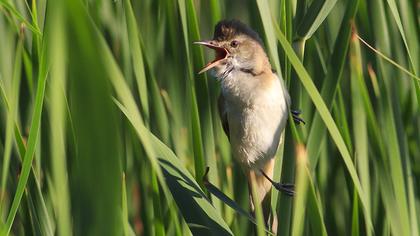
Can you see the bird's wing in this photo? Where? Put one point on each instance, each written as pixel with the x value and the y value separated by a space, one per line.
pixel 223 114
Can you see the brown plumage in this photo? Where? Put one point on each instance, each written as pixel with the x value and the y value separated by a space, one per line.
pixel 253 105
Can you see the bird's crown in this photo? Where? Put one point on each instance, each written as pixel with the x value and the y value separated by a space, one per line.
pixel 228 29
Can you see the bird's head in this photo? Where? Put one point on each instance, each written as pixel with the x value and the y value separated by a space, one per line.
pixel 236 47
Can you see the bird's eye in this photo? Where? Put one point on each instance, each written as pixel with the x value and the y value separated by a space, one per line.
pixel 234 43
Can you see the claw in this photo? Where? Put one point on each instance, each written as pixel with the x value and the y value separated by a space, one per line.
pixel 296 118
pixel 288 189
pixel 288 186
pixel 296 112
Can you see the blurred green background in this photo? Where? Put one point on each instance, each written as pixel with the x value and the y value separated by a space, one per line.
pixel 106 128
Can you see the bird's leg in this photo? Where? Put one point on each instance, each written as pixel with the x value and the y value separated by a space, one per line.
pixel 296 118
pixel 288 189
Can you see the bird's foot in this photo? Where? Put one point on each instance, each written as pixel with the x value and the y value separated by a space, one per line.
pixel 298 120
pixel 288 189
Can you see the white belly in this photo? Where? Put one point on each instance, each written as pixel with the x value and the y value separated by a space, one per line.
pixel 257 116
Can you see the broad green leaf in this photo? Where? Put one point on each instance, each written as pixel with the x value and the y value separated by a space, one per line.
pixel 265 12
pixel 137 58
pixel 57 108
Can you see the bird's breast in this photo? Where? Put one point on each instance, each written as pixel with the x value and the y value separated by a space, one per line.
pixel 257 114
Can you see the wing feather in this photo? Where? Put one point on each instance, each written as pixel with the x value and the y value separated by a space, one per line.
pixel 223 114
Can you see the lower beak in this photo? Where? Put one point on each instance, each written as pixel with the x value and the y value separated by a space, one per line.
pixel 221 54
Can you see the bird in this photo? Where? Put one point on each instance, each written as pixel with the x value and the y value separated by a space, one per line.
pixel 253 104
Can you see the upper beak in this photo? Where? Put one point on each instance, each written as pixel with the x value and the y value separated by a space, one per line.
pixel 221 53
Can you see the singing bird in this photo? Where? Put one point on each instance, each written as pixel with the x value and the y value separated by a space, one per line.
pixel 253 104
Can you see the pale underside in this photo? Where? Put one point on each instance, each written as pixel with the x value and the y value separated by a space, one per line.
pixel 254 111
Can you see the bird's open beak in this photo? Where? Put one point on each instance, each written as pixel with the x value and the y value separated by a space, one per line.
pixel 221 54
